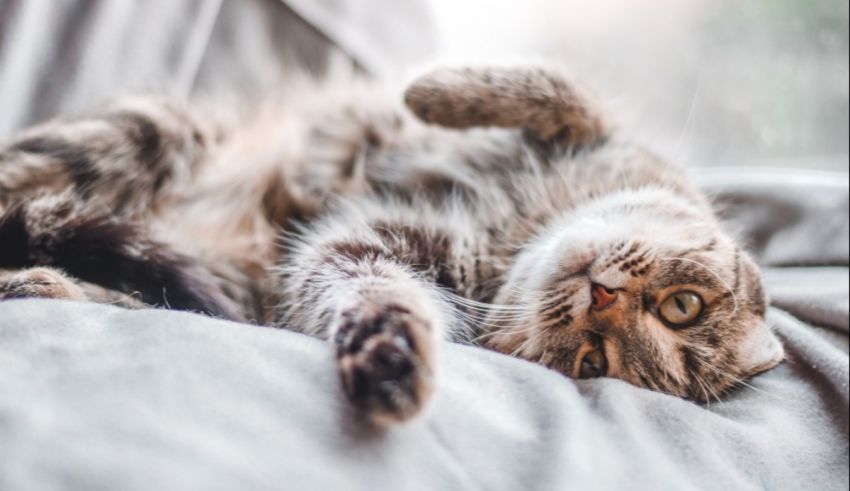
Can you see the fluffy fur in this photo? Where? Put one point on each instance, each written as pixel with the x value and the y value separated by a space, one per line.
pixel 497 208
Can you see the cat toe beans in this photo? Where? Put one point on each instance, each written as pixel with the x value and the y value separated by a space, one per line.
pixel 384 358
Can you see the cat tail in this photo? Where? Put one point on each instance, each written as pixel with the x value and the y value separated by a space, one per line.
pixel 60 232
pixel 544 102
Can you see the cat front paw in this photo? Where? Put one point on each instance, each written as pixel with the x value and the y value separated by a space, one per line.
pixel 385 360
pixel 39 283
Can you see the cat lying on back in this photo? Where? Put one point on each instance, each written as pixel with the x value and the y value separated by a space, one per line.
pixel 498 209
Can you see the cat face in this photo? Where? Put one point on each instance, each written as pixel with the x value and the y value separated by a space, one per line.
pixel 642 286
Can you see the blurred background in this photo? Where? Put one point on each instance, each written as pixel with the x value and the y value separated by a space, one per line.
pixel 711 82
pixel 714 82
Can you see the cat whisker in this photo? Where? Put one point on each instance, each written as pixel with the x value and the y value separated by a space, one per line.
pixel 709 392
pixel 500 327
pixel 477 322
pixel 519 349
pixel 506 332
pixel 739 381
pixel 495 326
pixel 705 393
pixel 488 307
pixel 489 311
pixel 525 294
pixel 495 316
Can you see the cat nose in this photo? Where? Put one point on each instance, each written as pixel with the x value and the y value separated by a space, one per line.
pixel 602 297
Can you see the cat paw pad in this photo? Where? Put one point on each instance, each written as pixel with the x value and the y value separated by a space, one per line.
pixel 384 362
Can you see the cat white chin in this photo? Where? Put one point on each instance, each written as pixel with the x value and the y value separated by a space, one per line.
pixel 570 246
pixel 631 215
pixel 643 214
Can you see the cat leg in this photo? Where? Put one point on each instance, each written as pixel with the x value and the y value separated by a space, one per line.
pixel 385 339
pixel 39 282
pixel 93 246
pixel 122 157
pixel 366 289
pixel 384 324
pixel 44 282
pixel 543 102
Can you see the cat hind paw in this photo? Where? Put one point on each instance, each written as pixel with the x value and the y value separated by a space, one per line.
pixel 39 283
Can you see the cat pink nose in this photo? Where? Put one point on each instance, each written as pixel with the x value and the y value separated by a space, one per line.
pixel 602 296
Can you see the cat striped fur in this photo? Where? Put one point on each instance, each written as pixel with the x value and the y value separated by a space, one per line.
pixel 497 208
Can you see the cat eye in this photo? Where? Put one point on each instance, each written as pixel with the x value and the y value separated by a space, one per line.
pixel 593 364
pixel 680 308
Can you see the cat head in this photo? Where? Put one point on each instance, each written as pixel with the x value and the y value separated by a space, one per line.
pixel 640 284
pixel 643 286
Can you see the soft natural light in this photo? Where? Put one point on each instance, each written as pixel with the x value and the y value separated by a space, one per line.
pixel 707 81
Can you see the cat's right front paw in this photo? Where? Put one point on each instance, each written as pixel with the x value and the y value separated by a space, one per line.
pixel 385 359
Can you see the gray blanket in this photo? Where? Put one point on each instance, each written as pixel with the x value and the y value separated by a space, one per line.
pixel 60 56
pixel 94 397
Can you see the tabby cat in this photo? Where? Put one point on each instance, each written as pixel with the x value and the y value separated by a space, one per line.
pixel 498 208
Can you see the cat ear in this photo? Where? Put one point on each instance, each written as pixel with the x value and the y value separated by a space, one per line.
pixel 541 101
pixel 760 351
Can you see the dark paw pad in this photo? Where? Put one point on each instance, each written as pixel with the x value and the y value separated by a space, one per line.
pixel 385 362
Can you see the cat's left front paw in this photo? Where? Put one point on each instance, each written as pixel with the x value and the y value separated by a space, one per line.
pixel 39 283
pixel 385 360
